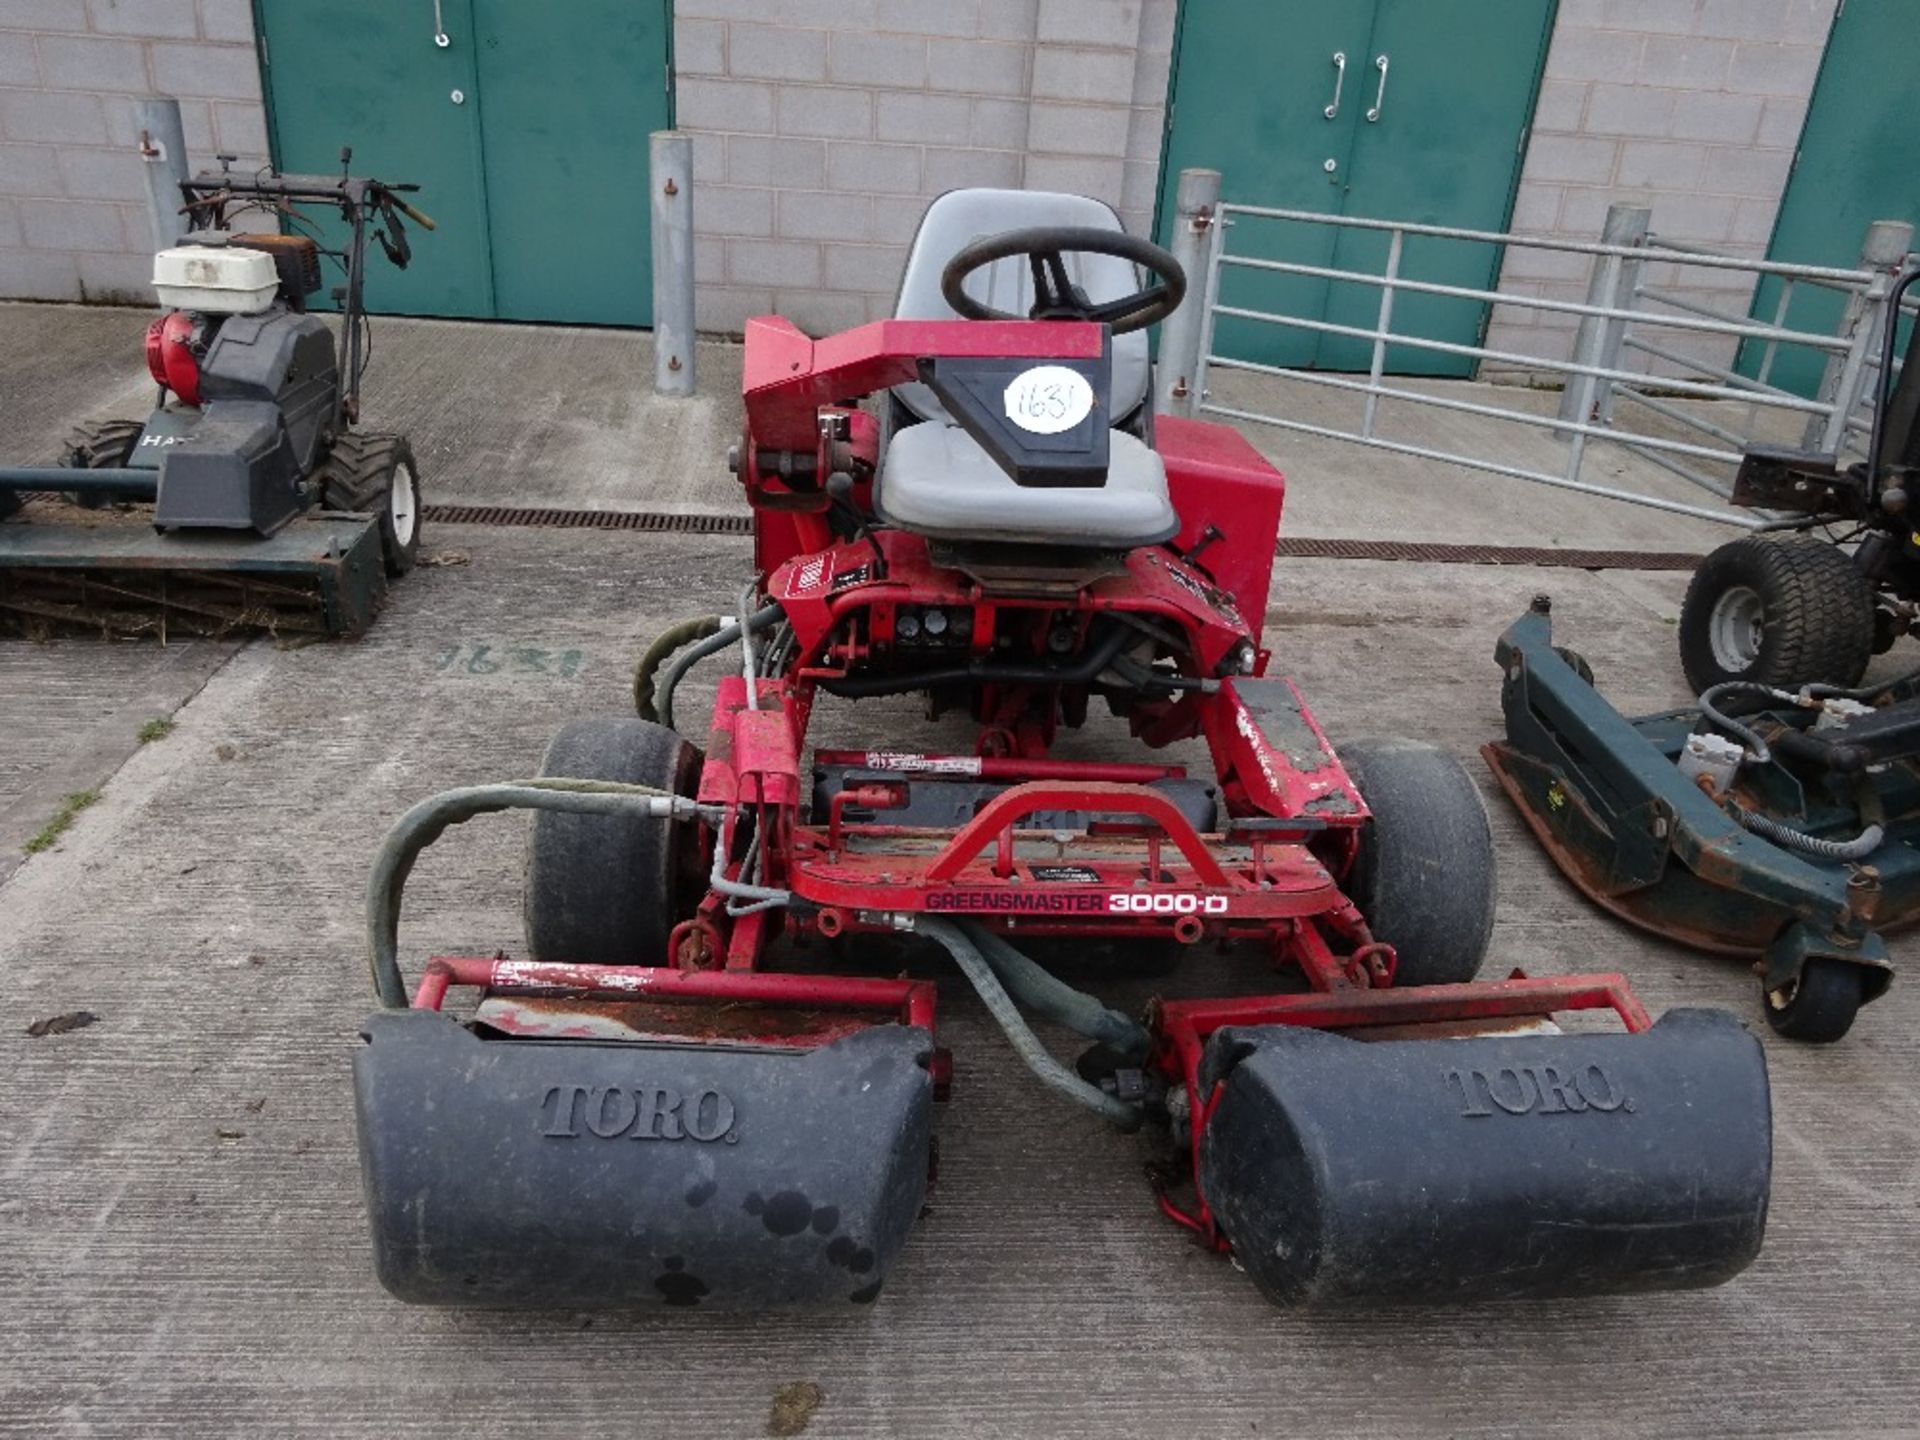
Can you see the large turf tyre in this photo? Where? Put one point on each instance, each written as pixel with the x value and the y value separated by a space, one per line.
pixel 1820 1005
pixel 99 445
pixel 1781 610
pixel 602 889
pixel 374 474
pixel 1424 873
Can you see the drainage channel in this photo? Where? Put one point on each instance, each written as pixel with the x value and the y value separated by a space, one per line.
pixel 1293 547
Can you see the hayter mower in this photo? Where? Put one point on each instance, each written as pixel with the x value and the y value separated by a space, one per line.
pixel 1788 607
pixel 270 508
pixel 659 1106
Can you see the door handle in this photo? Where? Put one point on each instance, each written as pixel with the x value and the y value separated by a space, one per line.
pixel 1380 96
pixel 440 36
pixel 1339 81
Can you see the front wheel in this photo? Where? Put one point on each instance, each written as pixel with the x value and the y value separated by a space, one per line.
pixel 1424 873
pixel 1781 611
pixel 608 889
pixel 1818 1006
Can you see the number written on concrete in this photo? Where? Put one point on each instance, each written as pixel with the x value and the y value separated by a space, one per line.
pixel 472 657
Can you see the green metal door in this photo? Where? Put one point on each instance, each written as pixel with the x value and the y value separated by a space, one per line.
pixel 1856 164
pixel 569 92
pixel 1439 143
pixel 1250 97
pixel 366 73
pixel 1434 136
pixel 527 130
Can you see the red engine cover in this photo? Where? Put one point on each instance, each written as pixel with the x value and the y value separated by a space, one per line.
pixel 170 357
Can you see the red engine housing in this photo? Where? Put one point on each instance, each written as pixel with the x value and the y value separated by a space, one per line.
pixel 170 355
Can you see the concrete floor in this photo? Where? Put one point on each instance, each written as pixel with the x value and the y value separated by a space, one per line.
pixel 182 1245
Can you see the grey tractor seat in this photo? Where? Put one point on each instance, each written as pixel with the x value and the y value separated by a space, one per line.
pixel 936 481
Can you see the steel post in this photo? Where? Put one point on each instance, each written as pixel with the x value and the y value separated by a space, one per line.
pixel 1611 285
pixel 163 146
pixel 1195 234
pixel 671 162
pixel 1883 252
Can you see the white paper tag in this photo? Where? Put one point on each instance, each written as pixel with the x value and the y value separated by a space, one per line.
pixel 1049 399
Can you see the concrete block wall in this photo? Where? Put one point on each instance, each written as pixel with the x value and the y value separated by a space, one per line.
pixel 73 219
pixel 1692 107
pixel 822 128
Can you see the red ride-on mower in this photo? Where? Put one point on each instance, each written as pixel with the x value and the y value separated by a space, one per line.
pixel 657 1106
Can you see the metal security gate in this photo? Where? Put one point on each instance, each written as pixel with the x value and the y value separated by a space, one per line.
pixel 1624 323
pixel 525 125
pixel 1413 108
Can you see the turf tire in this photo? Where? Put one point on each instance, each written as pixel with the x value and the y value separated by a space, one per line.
pixel 602 889
pixel 1817 622
pixel 1424 874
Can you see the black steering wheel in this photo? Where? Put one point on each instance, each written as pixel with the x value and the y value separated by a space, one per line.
pixel 1055 296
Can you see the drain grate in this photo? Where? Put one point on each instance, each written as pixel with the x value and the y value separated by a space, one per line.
pixel 659 522
pixel 651 521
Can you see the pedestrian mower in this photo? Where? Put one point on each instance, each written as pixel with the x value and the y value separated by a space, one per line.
pixel 1773 824
pixel 254 426
pixel 667 1103
pixel 1786 607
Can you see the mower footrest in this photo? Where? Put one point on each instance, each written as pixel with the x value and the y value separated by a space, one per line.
pixel 503 1172
pixel 1527 1165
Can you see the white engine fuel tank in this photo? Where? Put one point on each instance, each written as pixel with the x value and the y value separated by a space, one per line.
pixel 216 281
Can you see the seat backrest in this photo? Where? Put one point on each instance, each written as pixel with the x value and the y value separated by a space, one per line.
pixel 960 217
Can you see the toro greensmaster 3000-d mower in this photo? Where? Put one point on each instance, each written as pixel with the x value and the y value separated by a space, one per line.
pixel 269 508
pixel 1776 818
pixel 659 1106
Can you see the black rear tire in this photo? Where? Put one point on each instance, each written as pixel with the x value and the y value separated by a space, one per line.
pixel 1819 1007
pixel 607 890
pixel 1785 611
pixel 374 474
pixel 1424 876
pixel 99 445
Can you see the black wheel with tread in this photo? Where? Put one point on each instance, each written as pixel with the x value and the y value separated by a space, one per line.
pixel 608 890
pixel 374 474
pixel 1818 1007
pixel 99 445
pixel 1785 611
pixel 1424 876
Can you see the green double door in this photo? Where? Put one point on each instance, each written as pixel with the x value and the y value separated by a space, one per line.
pixel 1858 161
pixel 525 123
pixel 1408 110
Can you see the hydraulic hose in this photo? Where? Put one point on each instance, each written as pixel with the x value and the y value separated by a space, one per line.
pixel 1039 989
pixel 687 659
pixel 1026 1044
pixel 673 638
pixel 1858 848
pixel 1708 702
pixel 428 820
pixel 999 672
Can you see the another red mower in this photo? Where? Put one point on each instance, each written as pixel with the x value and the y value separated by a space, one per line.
pixel 658 1106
